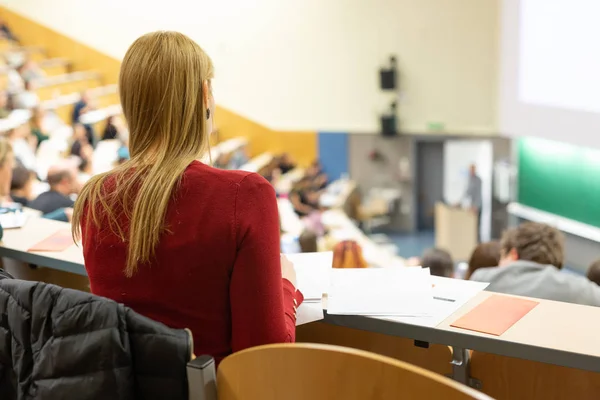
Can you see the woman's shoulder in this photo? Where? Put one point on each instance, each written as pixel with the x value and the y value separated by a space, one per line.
pixel 200 172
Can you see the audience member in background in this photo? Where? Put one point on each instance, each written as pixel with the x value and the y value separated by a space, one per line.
pixel 14 82
pixel 473 195
pixel 222 161
pixel 593 273
pixel 30 71
pixel 62 179
pixel 23 145
pixel 531 258
pixel 4 109
pixel 308 242
pixel 110 130
pixel 286 163
pixel 6 32
pixel 348 254
pixel 36 124
pixel 485 255
pixel 303 198
pixel 83 106
pixel 239 157
pixel 7 162
pixel 80 140
pixel 181 242
pixel 28 98
pixel 21 186
pixel 438 261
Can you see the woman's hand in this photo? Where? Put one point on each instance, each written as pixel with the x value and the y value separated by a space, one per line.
pixel 287 270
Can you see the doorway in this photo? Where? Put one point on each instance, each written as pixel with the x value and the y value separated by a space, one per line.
pixel 429 181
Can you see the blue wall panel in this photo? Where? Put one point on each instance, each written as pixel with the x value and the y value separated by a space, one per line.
pixel 333 153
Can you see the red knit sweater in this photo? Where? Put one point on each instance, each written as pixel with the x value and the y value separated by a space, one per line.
pixel 217 271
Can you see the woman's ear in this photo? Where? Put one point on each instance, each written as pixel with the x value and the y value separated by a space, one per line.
pixel 206 93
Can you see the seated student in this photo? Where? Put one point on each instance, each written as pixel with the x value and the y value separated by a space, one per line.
pixel 308 242
pixel 286 163
pixel 84 105
pixel 23 145
pixel 7 162
pixel 348 254
pixel 593 273
pixel 36 125
pixel 14 82
pixel 439 262
pixel 485 255
pixel 21 186
pixel 176 240
pixel 222 162
pixel 302 198
pixel 6 32
pixel 532 256
pixel 110 130
pixel 80 141
pixel 30 71
pixel 62 179
pixel 4 109
pixel 27 99
pixel 239 157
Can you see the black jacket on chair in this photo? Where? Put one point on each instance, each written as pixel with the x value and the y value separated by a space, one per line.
pixel 60 343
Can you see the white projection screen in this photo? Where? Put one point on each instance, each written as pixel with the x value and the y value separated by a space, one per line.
pixel 550 72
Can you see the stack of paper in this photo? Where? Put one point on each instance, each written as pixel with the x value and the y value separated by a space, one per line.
pixel 312 276
pixel 312 273
pixel 448 296
pixel 380 291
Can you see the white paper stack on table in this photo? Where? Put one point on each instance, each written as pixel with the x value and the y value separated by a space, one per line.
pixel 405 292
pixel 312 275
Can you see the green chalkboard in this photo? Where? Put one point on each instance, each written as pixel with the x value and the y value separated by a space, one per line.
pixel 560 178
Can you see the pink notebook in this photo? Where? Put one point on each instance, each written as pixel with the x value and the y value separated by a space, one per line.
pixel 495 314
pixel 59 241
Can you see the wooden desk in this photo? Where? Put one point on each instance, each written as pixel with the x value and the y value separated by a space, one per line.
pixel 16 242
pixel 556 333
pixel 67 84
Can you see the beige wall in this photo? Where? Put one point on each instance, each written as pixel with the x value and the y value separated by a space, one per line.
pixel 312 64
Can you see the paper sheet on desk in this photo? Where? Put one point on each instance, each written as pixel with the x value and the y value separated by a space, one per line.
pixel 309 312
pixel 312 273
pixel 448 296
pixel 380 291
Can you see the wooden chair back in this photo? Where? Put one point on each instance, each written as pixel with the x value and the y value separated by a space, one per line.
pixel 516 379
pixel 322 372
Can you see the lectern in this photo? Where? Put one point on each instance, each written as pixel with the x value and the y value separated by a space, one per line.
pixel 455 231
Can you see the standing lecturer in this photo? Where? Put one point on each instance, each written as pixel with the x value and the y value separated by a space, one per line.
pixel 474 197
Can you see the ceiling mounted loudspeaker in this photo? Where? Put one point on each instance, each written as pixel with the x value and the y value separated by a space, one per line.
pixel 388 76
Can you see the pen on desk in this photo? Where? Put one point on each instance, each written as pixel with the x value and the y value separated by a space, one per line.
pixel 443 299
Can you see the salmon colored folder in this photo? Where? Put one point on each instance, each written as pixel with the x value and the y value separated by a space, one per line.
pixel 495 314
pixel 59 241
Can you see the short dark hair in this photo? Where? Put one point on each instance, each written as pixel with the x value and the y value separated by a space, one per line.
pixel 593 273
pixel 533 241
pixel 20 177
pixel 57 177
pixel 438 261
pixel 485 255
pixel 308 242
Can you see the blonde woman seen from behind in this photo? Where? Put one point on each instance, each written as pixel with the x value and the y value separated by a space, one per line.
pixel 176 240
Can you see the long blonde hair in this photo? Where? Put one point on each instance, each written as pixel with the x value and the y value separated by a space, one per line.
pixel 161 88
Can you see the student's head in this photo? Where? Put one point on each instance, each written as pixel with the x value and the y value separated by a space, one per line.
pixel 308 242
pixel 62 178
pixel 86 96
pixel 79 131
pixel 29 85
pixel 593 273
pixel 532 241
pixel 38 117
pixel 348 254
pixel 472 170
pixel 485 255
pixel 7 162
pixel 438 261
pixel 22 182
pixel 165 92
pixel 3 99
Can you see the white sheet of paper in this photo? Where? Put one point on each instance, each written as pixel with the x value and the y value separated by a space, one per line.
pixel 448 296
pixel 309 312
pixel 13 220
pixel 312 273
pixel 380 291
